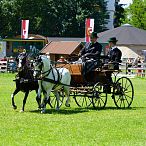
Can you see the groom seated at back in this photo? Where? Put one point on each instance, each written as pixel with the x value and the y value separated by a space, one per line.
pixel 90 54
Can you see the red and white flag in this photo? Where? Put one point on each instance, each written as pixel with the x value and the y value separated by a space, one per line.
pixel 24 29
pixel 89 28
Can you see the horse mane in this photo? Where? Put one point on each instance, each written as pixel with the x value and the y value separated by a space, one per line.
pixel 27 71
pixel 46 61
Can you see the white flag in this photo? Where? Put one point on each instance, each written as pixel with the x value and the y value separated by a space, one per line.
pixel 89 26
pixel 24 29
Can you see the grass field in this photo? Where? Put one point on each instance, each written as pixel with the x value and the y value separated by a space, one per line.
pixel 71 126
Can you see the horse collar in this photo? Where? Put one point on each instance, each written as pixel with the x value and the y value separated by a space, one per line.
pixel 48 72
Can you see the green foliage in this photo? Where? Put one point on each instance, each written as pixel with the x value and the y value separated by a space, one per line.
pixel 136 14
pixel 71 126
pixel 119 15
pixel 8 18
pixel 51 17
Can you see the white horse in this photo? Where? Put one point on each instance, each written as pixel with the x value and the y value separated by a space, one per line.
pixel 51 78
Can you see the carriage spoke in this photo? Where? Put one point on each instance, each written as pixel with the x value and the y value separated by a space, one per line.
pixel 120 102
pixel 100 98
pixel 83 100
pixel 123 103
pixel 127 100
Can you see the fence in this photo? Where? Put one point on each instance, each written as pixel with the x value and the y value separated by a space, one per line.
pixel 3 66
pixel 139 71
pixel 8 66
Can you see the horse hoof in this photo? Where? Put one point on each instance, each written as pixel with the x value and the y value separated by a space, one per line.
pixel 39 108
pixel 14 107
pixel 57 109
pixel 43 111
pixel 21 111
pixel 67 105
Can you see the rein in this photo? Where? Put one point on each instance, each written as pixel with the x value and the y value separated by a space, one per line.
pixel 53 81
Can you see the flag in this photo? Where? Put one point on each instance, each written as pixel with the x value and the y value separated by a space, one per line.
pixel 89 28
pixel 24 29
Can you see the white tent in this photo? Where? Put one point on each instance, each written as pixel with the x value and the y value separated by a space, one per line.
pixel 127 53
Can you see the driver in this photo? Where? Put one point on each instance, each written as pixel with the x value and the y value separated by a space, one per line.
pixel 92 48
pixel 90 54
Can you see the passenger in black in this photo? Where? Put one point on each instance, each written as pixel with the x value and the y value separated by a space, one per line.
pixel 114 53
pixel 114 57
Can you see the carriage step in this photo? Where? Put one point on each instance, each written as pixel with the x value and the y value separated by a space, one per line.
pixel 82 91
pixel 79 91
pixel 82 88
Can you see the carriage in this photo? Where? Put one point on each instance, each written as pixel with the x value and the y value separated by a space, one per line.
pixel 93 89
pixel 87 89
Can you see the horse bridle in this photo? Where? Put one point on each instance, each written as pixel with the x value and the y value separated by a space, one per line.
pixel 41 74
pixel 23 64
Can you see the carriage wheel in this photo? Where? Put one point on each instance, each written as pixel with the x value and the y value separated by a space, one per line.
pixel 99 96
pixel 83 98
pixel 53 100
pixel 123 92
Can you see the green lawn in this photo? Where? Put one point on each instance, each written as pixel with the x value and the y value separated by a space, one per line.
pixel 71 126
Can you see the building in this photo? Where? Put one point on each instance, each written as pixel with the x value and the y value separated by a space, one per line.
pixel 33 44
pixel 111 11
pixel 127 36
pixel 66 49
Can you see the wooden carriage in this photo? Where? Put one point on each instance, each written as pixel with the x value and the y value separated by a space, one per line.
pixel 98 75
pixel 94 88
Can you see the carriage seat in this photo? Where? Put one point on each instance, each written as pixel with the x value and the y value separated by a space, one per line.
pixel 75 69
pixel 111 66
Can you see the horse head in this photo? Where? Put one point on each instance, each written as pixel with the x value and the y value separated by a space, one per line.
pixel 22 61
pixel 41 65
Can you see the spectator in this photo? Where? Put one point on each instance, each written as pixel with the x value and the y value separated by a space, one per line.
pixel 143 68
pixel 129 64
pixel 139 71
pixel 62 60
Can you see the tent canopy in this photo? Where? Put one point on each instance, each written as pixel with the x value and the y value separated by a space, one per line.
pixel 126 35
pixel 127 53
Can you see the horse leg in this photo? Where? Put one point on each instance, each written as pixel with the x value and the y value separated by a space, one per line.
pixel 45 100
pixel 66 90
pixel 58 98
pixel 12 97
pixel 43 105
pixel 38 99
pixel 24 101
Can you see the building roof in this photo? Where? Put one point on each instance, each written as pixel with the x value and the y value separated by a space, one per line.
pixel 126 35
pixel 33 36
pixel 61 47
pixel 65 39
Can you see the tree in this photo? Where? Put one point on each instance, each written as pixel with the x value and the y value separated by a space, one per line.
pixel 136 14
pixel 119 14
pixel 51 17
pixel 7 18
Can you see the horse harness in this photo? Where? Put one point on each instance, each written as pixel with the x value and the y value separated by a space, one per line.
pixel 57 83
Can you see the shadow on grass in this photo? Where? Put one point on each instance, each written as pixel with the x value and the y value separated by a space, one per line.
pixel 135 108
pixel 70 111
pixel 63 111
pixel 127 108
pixel 115 108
